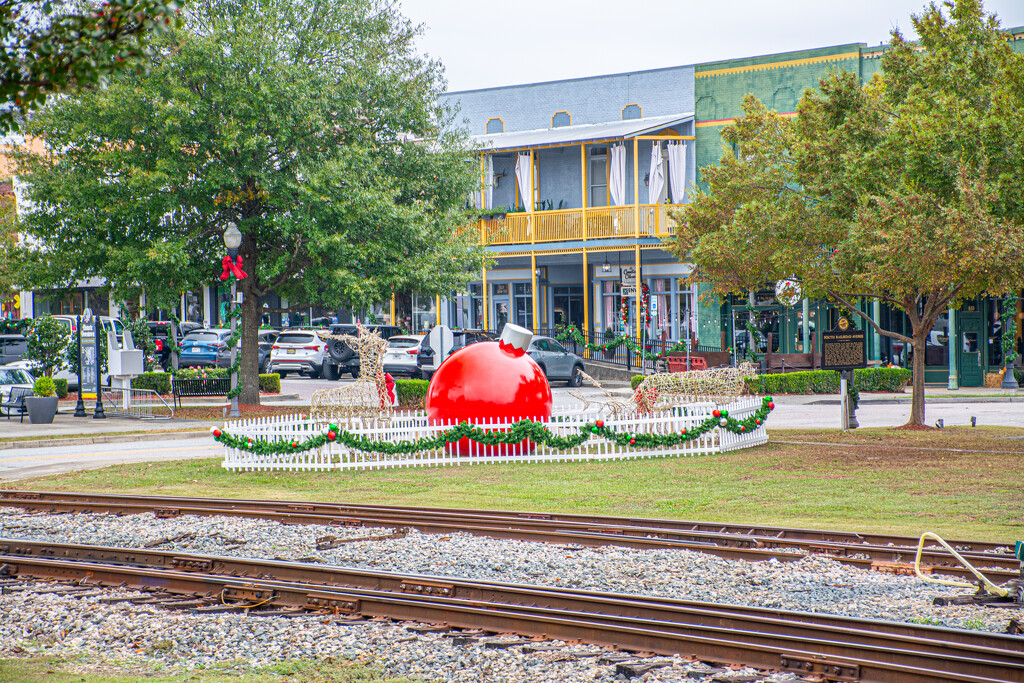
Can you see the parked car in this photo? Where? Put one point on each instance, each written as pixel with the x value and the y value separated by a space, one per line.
pixel 400 356
pixel 161 331
pixel 206 348
pixel 556 362
pixel 342 359
pixel 426 360
pixel 267 339
pixel 299 351
pixel 11 377
pixel 12 347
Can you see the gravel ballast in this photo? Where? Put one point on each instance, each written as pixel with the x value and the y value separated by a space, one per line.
pixel 143 635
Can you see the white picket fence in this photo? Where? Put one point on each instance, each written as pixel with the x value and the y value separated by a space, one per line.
pixel 412 426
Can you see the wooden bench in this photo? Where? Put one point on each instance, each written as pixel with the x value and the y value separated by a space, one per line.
pixel 684 364
pixel 17 401
pixel 203 386
pixel 790 362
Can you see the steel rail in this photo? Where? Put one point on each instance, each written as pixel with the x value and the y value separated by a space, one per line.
pixel 584 530
pixel 724 633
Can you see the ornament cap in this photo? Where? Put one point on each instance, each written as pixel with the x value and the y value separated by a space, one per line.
pixel 515 338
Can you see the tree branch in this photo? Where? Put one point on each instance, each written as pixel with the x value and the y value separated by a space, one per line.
pixel 850 306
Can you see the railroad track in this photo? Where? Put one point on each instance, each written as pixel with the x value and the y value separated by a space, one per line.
pixel 883 552
pixel 830 648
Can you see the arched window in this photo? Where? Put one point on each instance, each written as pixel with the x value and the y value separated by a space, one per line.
pixel 495 125
pixel 561 118
pixel 632 111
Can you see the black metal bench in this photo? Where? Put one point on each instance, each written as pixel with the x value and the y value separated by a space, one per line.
pixel 204 386
pixel 17 401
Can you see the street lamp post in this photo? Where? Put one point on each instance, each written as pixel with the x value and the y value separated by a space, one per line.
pixel 233 240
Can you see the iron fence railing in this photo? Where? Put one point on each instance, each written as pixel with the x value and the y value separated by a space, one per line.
pixel 145 404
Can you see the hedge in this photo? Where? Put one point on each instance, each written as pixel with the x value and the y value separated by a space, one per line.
pixel 827 381
pixel 160 382
pixel 60 388
pixel 270 383
pixel 200 373
pixel 411 392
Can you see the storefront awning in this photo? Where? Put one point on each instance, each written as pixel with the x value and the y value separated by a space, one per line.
pixel 575 135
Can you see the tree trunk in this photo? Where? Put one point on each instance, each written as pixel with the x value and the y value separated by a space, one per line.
pixel 917 382
pixel 248 371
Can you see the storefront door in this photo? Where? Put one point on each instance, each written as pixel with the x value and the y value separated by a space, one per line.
pixel 969 351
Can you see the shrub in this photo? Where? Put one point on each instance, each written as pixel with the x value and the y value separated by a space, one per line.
pixel 160 382
pixel 270 383
pixel 44 386
pixel 47 345
pixel 635 380
pixel 201 373
pixel 827 381
pixel 60 386
pixel 411 392
pixel 1018 374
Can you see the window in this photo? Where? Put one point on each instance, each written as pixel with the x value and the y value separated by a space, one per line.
pixel 495 125
pixel 468 308
pixel 611 299
pixel 631 112
pixel 598 177
pixel 560 119
pixel 523 295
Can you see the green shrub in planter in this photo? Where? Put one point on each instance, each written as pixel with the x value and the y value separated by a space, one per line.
pixel 60 386
pixel 160 382
pixel 411 392
pixel 270 383
pixel 201 373
pixel 44 387
pixel 635 380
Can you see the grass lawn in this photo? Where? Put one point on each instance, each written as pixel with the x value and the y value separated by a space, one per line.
pixel 959 482
pixel 54 670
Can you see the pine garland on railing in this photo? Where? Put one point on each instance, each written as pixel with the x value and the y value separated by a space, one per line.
pixel 520 431
pixel 572 333
pixel 1009 329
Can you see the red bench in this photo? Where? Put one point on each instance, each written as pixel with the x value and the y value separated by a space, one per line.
pixel 683 364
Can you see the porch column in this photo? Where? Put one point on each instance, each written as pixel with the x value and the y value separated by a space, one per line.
pixel 586 301
pixel 583 175
pixel 486 319
pixel 807 326
pixel 393 321
pixel 437 308
pixel 530 207
pixel 953 383
pixel 636 235
pixel 876 315
pixel 533 289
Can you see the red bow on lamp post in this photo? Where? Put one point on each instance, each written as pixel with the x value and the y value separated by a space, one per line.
pixel 232 268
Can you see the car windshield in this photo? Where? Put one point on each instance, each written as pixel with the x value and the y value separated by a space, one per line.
pixel 403 342
pixel 202 337
pixel 14 376
pixel 292 338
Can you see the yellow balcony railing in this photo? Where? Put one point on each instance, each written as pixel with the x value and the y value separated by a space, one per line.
pixel 564 225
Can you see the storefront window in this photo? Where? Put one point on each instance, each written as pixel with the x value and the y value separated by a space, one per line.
pixel 523 295
pixel 687 314
pixel 936 352
pixel 467 308
pixel 611 300
pixel 424 312
pixel 661 306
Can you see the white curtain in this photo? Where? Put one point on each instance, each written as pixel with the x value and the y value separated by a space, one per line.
pixel 656 178
pixel 488 182
pixel 617 176
pixel 677 170
pixel 523 177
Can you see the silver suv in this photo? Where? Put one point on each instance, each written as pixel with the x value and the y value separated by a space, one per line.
pixel 298 351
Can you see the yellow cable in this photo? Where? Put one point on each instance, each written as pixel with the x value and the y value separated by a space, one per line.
pixel 989 586
pixel 222 590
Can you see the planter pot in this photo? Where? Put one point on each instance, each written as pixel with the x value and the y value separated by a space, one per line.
pixel 41 409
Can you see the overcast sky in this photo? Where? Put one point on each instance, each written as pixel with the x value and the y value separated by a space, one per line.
pixel 487 44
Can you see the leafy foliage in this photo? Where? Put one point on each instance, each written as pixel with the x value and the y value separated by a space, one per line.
pixel 142 337
pixel 51 46
pixel 315 128
pixel 270 383
pixel 47 345
pixel 44 387
pixel 905 190
pixel 160 382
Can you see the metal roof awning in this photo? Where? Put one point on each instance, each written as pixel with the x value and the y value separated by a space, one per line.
pixel 575 135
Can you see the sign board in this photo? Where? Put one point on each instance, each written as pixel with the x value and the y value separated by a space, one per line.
pixel 843 348
pixel 90 359
pixel 628 291
pixel 627 277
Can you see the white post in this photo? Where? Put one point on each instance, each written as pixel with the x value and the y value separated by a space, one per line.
pixel 234 350
pixel 844 417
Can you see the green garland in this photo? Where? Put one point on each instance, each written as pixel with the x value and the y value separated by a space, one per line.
pixel 1009 329
pixel 522 430
pixel 573 334
pixel 232 313
pixel 753 335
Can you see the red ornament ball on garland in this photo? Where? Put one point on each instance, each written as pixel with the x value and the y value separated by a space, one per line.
pixel 757 420
pixel 743 428
pixel 771 405
pixel 295 444
pixel 489 381
pixel 217 432
pixel 716 413
pixel 683 432
pixel 632 442
pixel 332 435
pixel 599 423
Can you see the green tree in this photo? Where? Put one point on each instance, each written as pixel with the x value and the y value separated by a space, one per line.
pixel 905 190
pixel 51 46
pixel 314 128
pixel 47 345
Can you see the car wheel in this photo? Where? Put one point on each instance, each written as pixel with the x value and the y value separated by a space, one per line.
pixel 282 373
pixel 543 369
pixel 315 374
pixel 329 372
pixel 339 350
pixel 355 374
pixel 266 366
pixel 576 379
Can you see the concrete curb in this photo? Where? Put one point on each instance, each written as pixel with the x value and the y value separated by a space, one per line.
pixel 109 438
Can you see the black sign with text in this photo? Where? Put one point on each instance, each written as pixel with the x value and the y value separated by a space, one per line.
pixel 843 348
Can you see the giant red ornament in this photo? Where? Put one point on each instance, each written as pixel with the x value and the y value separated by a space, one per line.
pixel 489 381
